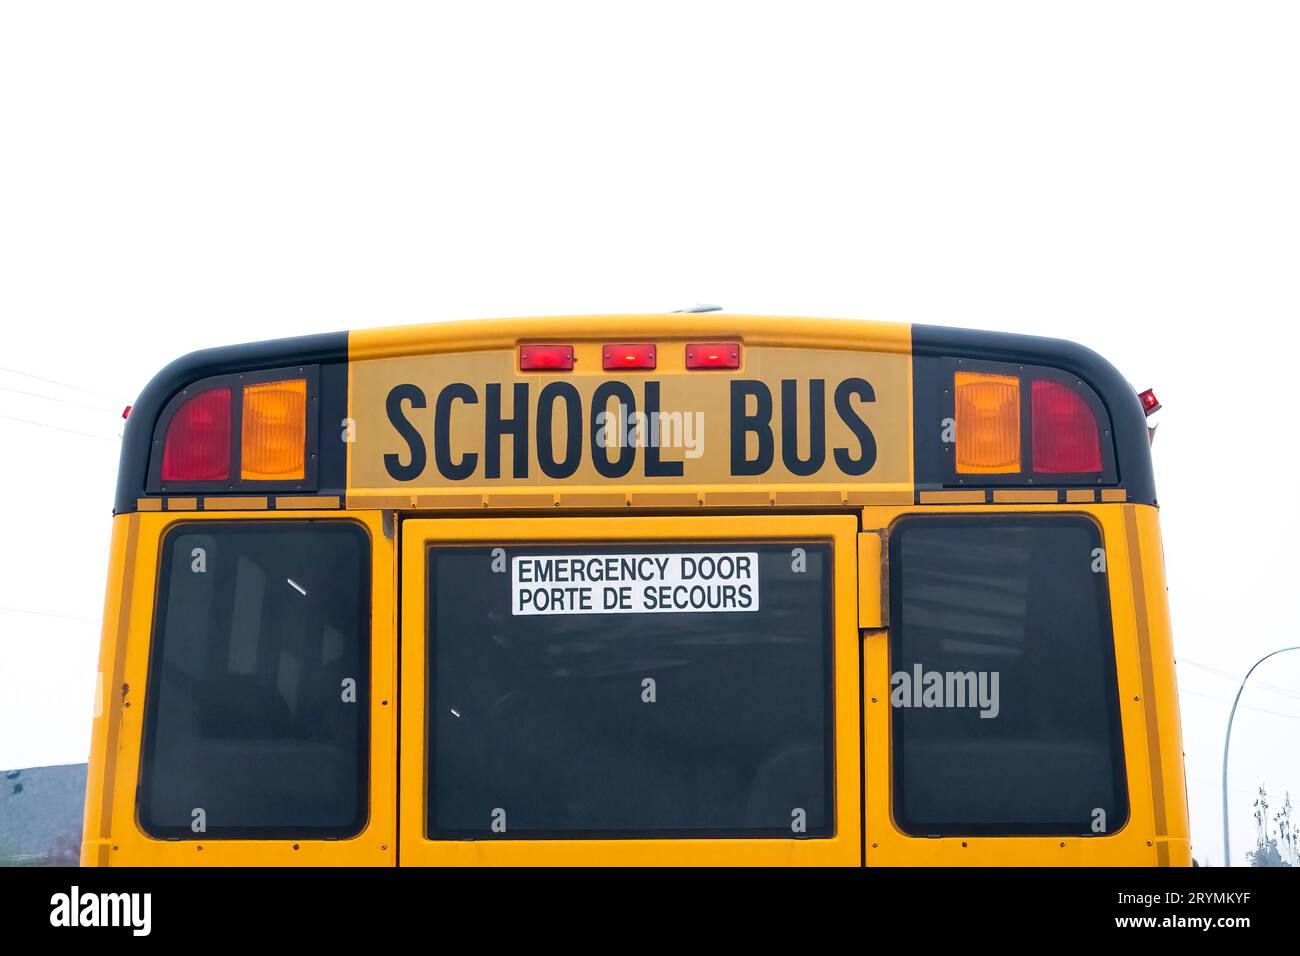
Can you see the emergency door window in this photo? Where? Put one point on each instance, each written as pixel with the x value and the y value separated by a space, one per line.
pixel 630 690
pixel 258 693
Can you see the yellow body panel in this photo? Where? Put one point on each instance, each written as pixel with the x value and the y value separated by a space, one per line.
pixel 403 518
pixel 767 330
pixel 480 354
pixel 112 834
pixel 1156 832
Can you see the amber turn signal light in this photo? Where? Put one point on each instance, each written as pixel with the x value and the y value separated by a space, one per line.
pixel 988 423
pixel 274 434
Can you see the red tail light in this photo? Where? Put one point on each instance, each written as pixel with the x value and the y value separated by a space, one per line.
pixel 1065 431
pixel 197 447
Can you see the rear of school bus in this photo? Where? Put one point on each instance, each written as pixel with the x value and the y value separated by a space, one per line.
pixel 652 589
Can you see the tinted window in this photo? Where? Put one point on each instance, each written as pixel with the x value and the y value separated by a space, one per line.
pixel 261 634
pixel 1011 616
pixel 711 718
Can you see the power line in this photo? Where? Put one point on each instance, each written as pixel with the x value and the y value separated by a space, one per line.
pixel 1227 675
pixel 1201 781
pixel 61 401
pixel 64 617
pixel 1224 700
pixel 55 381
pixel 57 428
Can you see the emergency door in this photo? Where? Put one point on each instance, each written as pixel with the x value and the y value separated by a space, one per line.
pixel 638 691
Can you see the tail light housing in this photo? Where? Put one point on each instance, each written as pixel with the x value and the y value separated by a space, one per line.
pixel 1015 425
pixel 249 431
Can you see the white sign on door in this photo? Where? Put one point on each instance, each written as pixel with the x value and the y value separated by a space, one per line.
pixel 634 583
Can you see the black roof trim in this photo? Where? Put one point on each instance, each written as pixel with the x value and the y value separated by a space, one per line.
pixel 324 349
pixel 1128 420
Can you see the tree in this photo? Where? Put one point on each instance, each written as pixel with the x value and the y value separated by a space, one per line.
pixel 1276 840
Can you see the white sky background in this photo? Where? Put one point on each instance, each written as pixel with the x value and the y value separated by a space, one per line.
pixel 1127 175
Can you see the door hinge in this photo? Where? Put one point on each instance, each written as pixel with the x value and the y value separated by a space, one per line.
pixel 873 584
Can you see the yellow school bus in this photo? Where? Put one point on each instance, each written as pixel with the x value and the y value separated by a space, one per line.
pixel 637 590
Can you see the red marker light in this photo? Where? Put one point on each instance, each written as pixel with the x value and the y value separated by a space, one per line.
pixel 546 358
pixel 1150 404
pixel 197 447
pixel 713 355
pixel 126 411
pixel 640 355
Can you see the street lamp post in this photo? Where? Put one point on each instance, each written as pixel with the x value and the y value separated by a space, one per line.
pixel 1227 739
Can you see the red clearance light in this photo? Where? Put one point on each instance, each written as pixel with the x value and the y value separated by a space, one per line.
pixel 641 355
pixel 126 412
pixel 713 355
pixel 546 358
pixel 197 446
pixel 1065 431
pixel 1150 404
